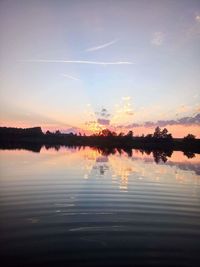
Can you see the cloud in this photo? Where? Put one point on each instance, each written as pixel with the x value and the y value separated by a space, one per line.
pixel 103 116
pixel 195 120
pixel 197 18
pixel 126 98
pixel 80 62
pixel 103 121
pixel 158 38
pixel 100 121
pixel 103 113
pixel 70 77
pixel 95 48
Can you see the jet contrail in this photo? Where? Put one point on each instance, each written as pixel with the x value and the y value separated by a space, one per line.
pixel 81 62
pixel 101 46
pixel 70 77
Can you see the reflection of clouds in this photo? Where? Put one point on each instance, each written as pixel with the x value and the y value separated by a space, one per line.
pixel 100 169
pixel 90 157
pixel 177 159
pixel 102 159
pixel 101 165
pixel 115 165
pixel 186 166
pixel 140 165
pixel 127 170
pixel 94 161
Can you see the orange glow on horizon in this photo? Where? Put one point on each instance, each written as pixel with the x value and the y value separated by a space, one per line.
pixel 177 131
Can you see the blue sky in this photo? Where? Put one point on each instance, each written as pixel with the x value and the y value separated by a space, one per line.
pixel 51 70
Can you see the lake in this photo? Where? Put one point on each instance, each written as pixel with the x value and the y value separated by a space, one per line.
pixel 89 207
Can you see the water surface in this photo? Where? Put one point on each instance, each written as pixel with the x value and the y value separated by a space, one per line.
pixel 85 207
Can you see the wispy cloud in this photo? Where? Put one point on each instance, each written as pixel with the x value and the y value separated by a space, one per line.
pixel 80 62
pixel 158 38
pixel 95 48
pixel 70 77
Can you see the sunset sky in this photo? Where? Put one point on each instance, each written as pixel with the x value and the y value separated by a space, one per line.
pixel 84 65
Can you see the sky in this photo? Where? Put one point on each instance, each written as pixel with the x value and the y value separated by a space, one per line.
pixel 87 65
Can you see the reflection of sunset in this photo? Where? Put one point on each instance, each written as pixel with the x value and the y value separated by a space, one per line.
pixel 121 167
pixel 95 98
pixel 124 170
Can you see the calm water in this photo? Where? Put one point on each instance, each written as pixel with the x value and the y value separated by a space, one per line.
pixel 82 207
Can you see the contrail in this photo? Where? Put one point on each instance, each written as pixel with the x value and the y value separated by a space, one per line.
pixel 81 62
pixel 101 46
pixel 70 77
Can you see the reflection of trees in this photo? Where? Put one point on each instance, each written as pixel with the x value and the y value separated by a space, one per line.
pixel 106 151
pixel 158 155
pixel 56 147
pixel 161 155
pixel 189 155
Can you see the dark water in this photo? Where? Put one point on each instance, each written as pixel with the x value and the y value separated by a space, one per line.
pixel 79 207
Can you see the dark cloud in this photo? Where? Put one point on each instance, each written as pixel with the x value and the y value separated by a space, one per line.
pixel 103 121
pixel 135 124
pixel 162 123
pixel 103 113
pixel 149 124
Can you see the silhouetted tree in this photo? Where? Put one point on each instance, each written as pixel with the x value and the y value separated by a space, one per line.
pixel 157 132
pixel 114 134
pixel 162 133
pixel 106 133
pixel 130 134
pixel 57 132
pixel 48 132
pixel 189 137
pixel 148 136
pixel 121 134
